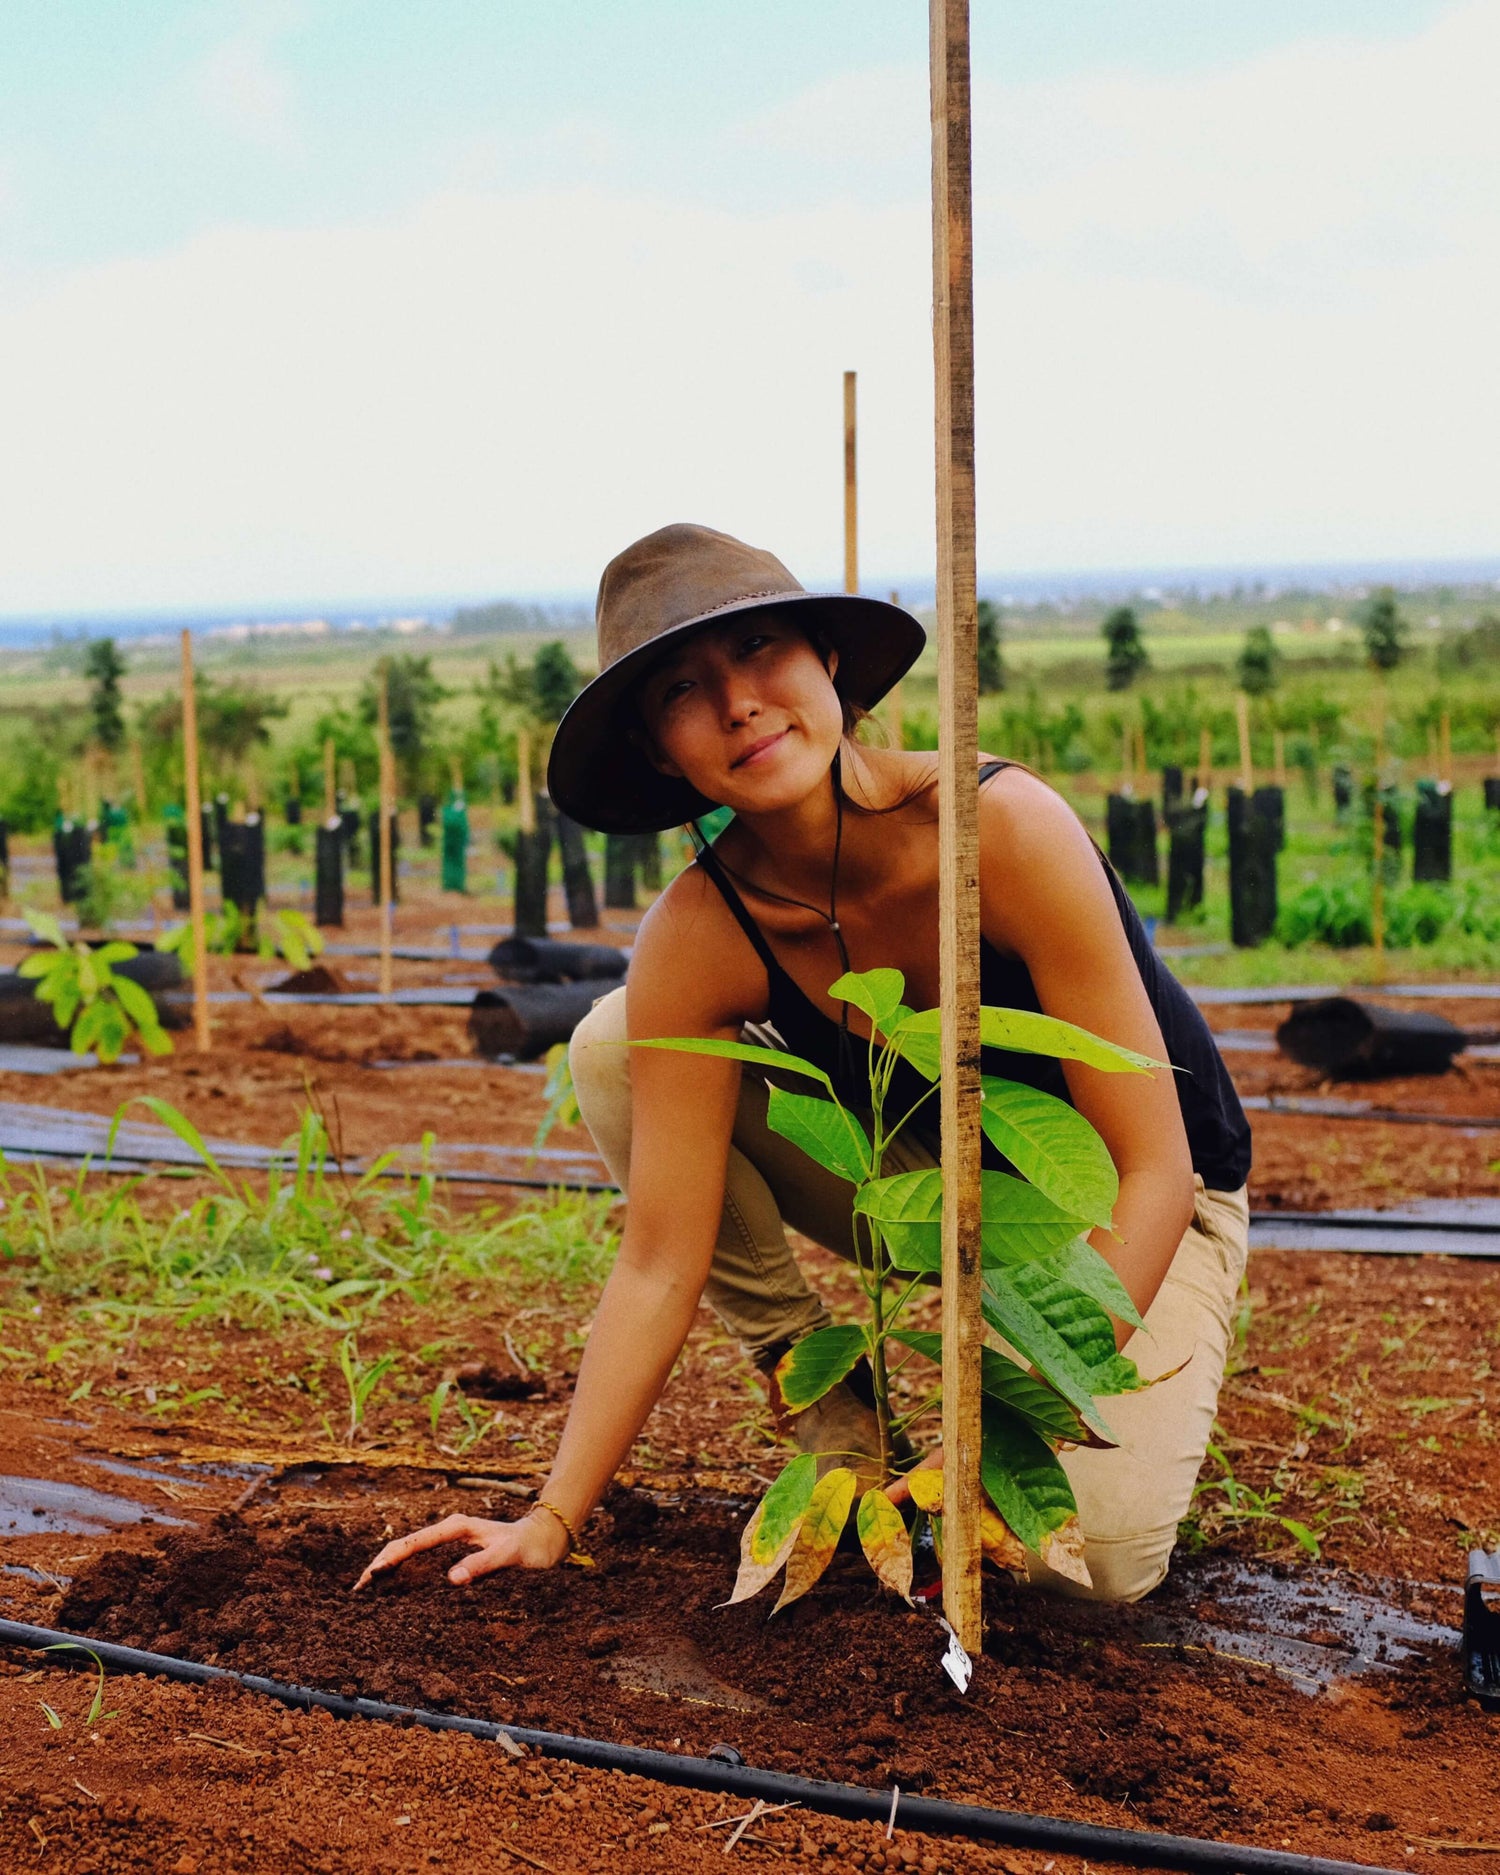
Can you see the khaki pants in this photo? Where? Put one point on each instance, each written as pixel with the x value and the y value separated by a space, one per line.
pixel 1130 1500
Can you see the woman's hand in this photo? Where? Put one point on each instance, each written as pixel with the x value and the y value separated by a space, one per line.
pixel 536 1541
pixel 898 1490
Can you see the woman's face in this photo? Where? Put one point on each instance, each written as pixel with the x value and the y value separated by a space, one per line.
pixel 746 711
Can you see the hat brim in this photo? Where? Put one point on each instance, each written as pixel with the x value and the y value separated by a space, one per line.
pixel 599 775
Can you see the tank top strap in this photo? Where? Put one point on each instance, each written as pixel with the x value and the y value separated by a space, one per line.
pixel 714 867
pixel 987 770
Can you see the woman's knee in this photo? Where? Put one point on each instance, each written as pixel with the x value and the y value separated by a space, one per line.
pixel 599 1062
pixel 1121 1569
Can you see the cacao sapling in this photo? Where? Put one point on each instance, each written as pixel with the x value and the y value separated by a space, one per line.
pixel 1049 1296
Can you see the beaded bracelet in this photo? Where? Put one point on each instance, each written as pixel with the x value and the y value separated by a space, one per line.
pixel 575 1554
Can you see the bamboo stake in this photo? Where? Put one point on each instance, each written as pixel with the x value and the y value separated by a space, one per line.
pixel 958 807
pixel 456 774
pixel 1127 760
pixel 193 799
pixel 330 781
pixel 525 797
pixel 387 808
pixel 851 489
pixel 1242 723
pixel 1205 757
pixel 1445 749
pixel 1278 745
pixel 1140 760
pixel 1377 884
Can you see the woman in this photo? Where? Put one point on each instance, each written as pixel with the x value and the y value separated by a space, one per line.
pixel 723 683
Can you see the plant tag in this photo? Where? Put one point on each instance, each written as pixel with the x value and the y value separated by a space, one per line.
pixel 956 1662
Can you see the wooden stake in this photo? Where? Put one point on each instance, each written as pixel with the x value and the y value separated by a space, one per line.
pixel 456 774
pixel 1205 757
pixel 386 809
pixel 1242 723
pixel 1278 744
pixel 525 797
pixel 330 781
pixel 851 489
pixel 958 807
pixel 1445 749
pixel 1127 760
pixel 1140 760
pixel 193 802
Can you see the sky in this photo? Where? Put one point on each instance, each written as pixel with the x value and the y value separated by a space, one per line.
pixel 316 300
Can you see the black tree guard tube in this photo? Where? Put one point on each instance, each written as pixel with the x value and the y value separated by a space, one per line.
pixel 533 857
pixel 328 875
pixel 619 871
pixel 1188 826
pixel 578 881
pixel 1252 871
pixel 1018 1828
pixel 1432 832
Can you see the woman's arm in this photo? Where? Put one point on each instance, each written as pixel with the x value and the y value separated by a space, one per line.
pixel 688 976
pixel 1045 897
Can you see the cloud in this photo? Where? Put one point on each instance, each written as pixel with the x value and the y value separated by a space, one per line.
pixel 1239 317
pixel 239 85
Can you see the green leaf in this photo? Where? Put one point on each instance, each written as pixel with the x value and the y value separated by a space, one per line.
pixel 177 937
pixel 877 992
pixel 42 963
pixel 740 1051
pixel 135 1001
pixel 1080 1264
pixel 113 1033
pixel 177 1123
pixel 1040 1339
pixel 824 1130
pixel 817 1362
pixel 1020 1032
pixel 87 1028
pixel 1028 1486
pixel 65 998
pixel 783 1506
pixel 45 926
pixel 1017 1220
pixel 1043 1409
pixel 115 952
pixel 1052 1145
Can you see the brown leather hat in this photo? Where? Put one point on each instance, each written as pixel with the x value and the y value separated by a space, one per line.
pixel 675 581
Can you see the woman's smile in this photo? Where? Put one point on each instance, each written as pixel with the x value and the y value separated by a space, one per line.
pixel 760 748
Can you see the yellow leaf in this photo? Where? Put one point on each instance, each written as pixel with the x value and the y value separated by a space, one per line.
pixel 753 1575
pixel 1062 1551
pixel 999 1542
pixel 884 1539
pixel 818 1536
pixel 926 1487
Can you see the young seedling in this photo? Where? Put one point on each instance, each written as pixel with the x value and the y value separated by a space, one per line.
pixel 97 1007
pixel 361 1378
pixel 1049 1296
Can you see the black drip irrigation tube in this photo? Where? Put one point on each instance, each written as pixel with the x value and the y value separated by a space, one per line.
pixel 1018 1829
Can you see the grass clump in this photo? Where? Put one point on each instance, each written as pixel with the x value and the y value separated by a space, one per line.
pixel 309 1245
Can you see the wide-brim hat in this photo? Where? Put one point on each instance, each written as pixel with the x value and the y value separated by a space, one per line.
pixel 673 582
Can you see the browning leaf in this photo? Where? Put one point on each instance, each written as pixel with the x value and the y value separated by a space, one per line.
pixel 1062 1550
pixel 753 1575
pixel 885 1542
pixel 819 1532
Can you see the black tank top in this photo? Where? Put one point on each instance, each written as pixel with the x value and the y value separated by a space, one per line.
pixel 1218 1132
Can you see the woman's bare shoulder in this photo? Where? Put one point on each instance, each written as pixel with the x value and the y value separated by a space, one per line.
pixel 1030 837
pixel 690 951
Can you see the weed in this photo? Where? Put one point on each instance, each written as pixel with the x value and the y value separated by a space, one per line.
pixel 361 1378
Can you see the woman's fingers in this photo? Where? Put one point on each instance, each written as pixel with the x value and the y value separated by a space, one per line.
pixel 531 1543
pixel 477 1530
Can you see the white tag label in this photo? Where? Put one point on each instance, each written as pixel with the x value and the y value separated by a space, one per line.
pixel 956 1663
